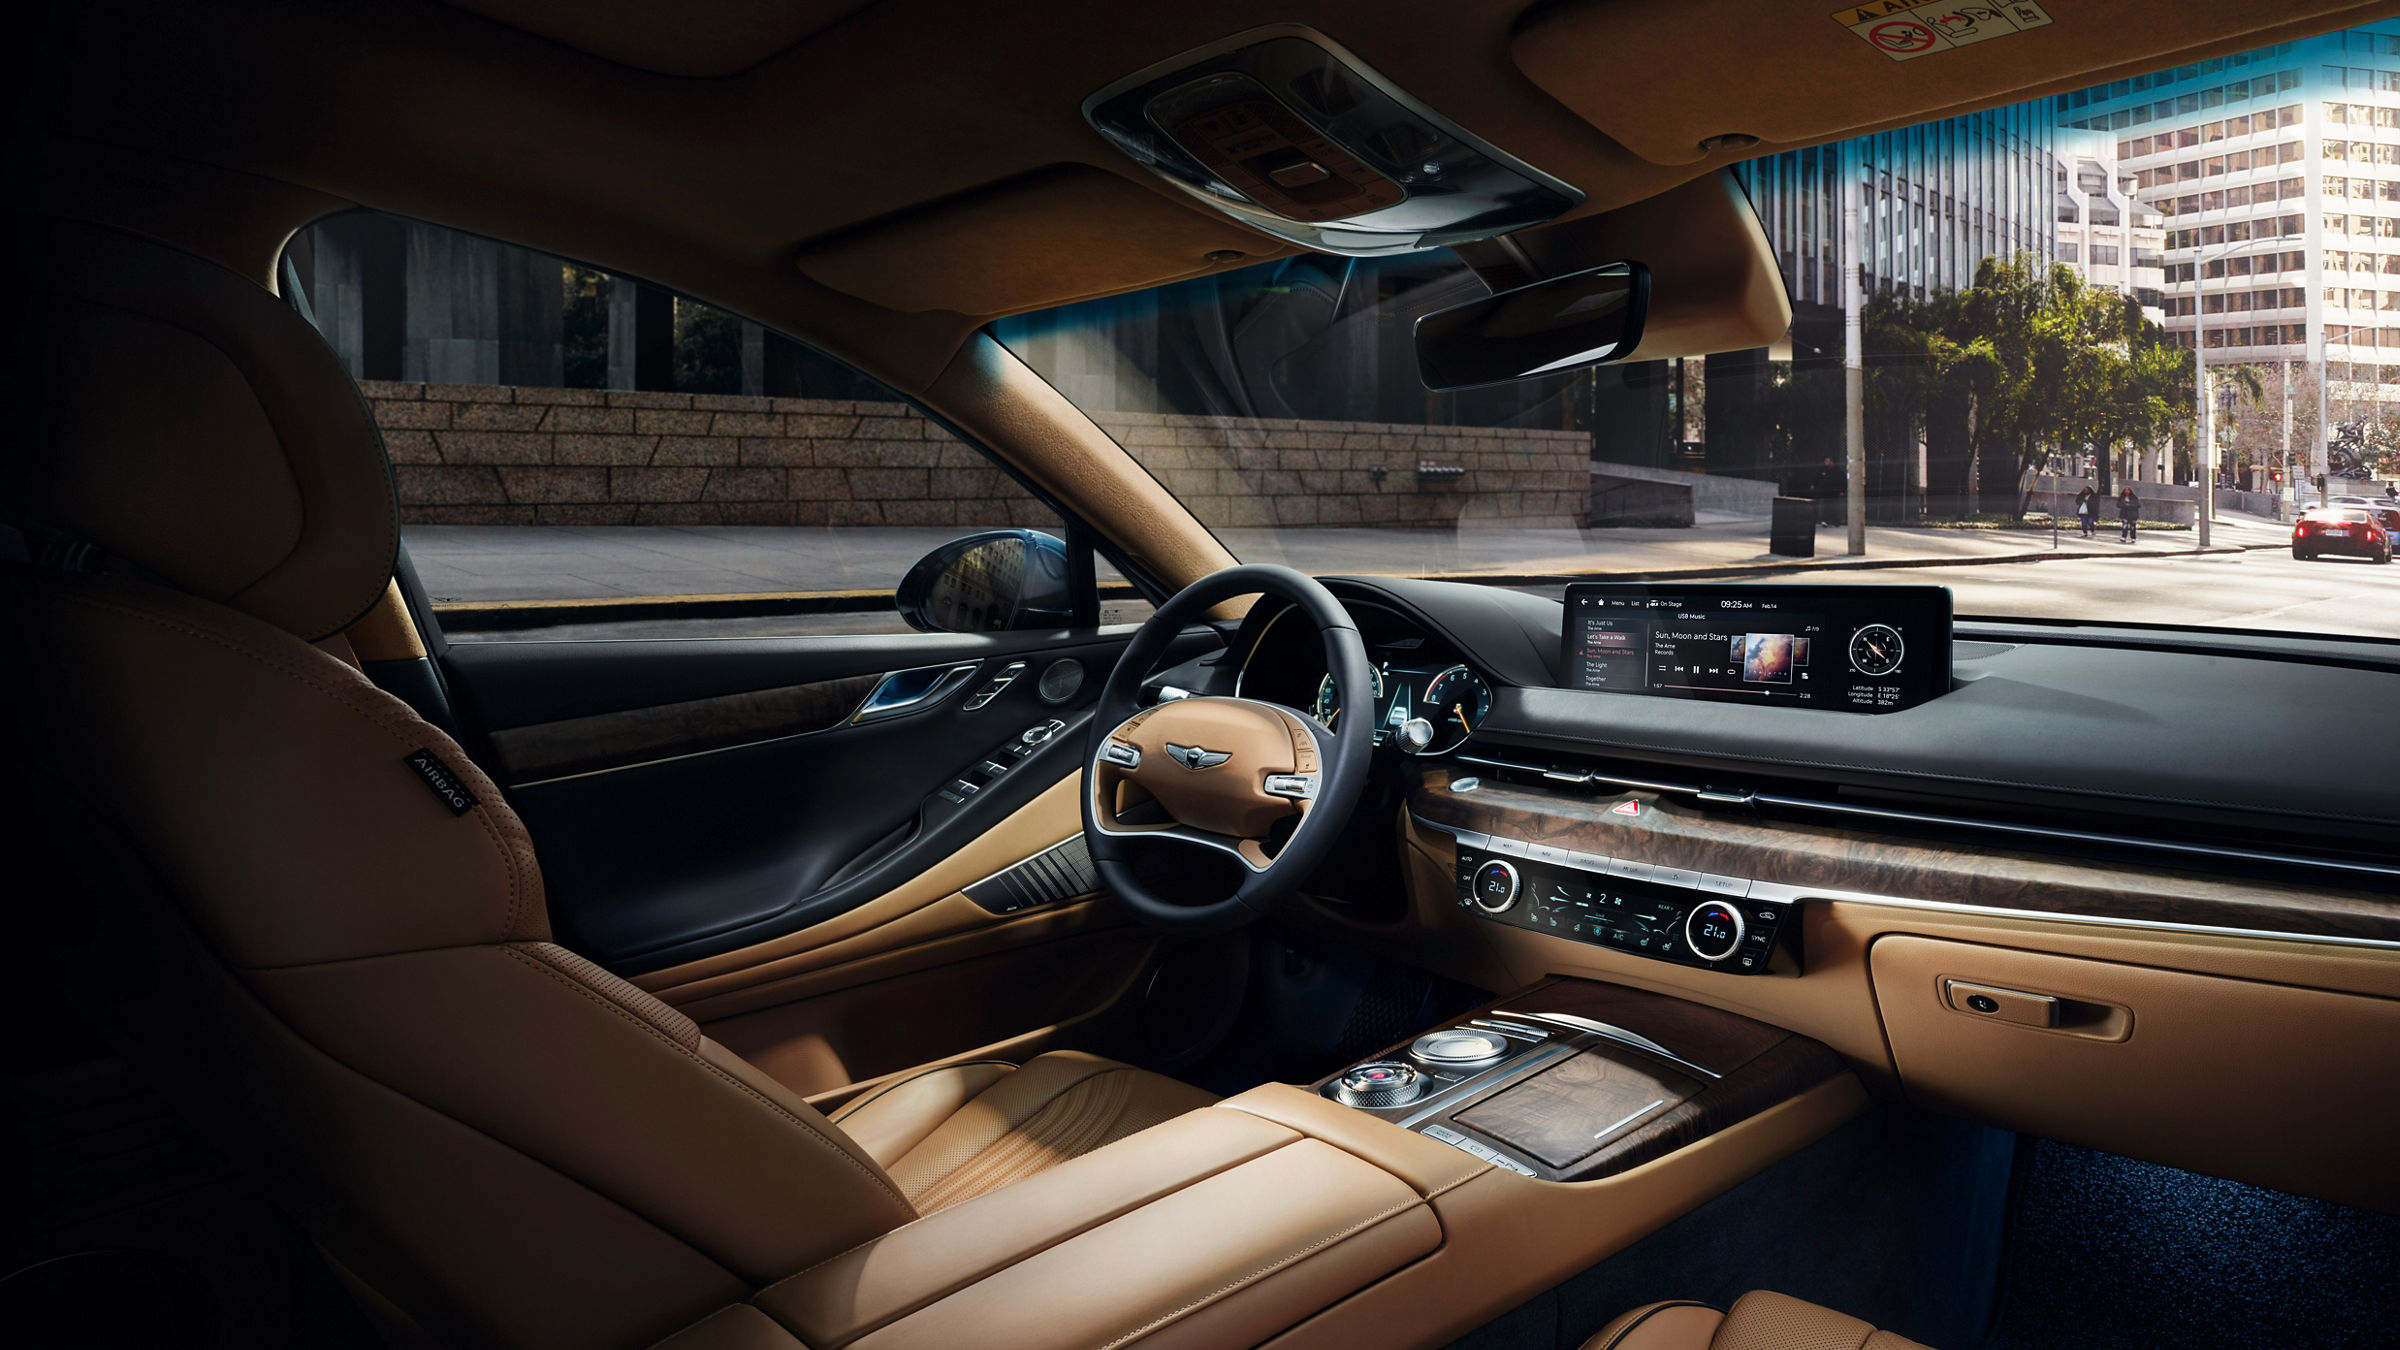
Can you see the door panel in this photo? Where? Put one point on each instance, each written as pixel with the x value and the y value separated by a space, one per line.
pixel 692 799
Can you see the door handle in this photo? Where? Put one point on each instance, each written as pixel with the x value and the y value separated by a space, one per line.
pixel 905 691
pixel 2001 1005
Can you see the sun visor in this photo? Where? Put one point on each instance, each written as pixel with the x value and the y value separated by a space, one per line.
pixel 1065 233
pixel 1771 72
pixel 1714 286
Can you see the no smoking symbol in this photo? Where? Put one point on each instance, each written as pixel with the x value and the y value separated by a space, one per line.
pixel 1901 36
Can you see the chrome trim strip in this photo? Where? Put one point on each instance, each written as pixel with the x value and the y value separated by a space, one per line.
pixel 1612 1129
pixel 1615 1033
pixel 1783 893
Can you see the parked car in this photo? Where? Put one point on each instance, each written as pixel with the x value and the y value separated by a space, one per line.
pixel 2354 532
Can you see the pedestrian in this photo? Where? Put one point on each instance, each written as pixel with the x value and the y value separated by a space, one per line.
pixel 2087 508
pixel 2129 510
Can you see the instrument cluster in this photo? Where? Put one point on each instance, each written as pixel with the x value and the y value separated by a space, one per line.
pixel 1425 698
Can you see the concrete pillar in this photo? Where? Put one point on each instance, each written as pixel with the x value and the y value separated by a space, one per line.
pixel 481 312
pixel 754 359
pixel 641 336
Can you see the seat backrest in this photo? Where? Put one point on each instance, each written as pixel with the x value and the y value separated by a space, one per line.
pixel 303 907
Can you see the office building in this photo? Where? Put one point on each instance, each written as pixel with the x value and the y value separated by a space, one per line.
pixel 2278 174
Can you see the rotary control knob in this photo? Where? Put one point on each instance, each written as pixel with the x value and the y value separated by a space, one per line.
pixel 1459 1048
pixel 1714 929
pixel 1382 1082
pixel 1495 886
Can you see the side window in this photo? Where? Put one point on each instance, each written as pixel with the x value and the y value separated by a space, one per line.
pixel 579 454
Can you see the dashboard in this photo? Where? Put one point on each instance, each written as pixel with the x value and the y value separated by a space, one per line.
pixel 2024 733
pixel 2063 878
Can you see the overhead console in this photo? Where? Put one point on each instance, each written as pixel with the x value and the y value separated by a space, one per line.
pixel 1285 131
pixel 1868 649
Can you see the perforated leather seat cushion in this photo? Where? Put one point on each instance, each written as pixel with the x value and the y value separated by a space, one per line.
pixel 956 1132
pixel 1759 1320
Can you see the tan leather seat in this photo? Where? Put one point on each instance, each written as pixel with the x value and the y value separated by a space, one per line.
pixel 1759 1320
pixel 321 926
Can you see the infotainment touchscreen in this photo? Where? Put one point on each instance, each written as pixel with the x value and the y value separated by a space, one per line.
pixel 1872 649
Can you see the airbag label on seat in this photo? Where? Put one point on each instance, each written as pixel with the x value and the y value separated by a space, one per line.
pixel 1905 32
pixel 445 784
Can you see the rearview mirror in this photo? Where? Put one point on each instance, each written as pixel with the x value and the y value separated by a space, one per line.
pixel 1564 323
pixel 989 583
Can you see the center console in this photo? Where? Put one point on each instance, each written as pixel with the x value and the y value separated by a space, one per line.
pixel 1576 1080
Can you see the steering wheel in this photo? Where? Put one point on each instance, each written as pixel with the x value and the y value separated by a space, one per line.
pixel 1258 781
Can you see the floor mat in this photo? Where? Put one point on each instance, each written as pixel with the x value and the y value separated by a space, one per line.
pixel 2111 1254
pixel 1895 1218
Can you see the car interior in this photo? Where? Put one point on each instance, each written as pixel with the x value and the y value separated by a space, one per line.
pixel 1062 968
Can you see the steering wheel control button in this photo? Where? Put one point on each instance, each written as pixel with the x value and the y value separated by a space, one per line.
pixel 1459 1048
pixel 1714 930
pixel 1120 754
pixel 1496 886
pixel 1383 1082
pixel 1298 786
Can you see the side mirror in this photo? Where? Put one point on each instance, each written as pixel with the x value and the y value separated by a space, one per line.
pixel 1564 323
pixel 989 583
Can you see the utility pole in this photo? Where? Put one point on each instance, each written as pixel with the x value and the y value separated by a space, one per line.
pixel 1854 397
pixel 2320 459
pixel 2205 443
pixel 2288 484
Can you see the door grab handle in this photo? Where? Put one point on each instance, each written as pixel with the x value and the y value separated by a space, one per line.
pixel 905 691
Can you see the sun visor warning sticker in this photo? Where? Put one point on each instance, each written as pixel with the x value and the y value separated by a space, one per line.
pixel 1905 32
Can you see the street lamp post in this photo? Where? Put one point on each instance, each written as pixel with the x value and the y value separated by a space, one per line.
pixel 2321 460
pixel 2204 444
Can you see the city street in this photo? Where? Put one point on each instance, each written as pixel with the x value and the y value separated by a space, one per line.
pixel 2252 583
pixel 2263 588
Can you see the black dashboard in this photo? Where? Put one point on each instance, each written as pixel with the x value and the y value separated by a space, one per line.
pixel 2189 731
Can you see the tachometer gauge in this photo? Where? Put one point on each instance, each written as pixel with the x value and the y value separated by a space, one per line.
pixel 1456 701
pixel 1329 699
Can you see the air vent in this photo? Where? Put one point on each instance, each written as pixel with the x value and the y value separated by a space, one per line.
pixel 1285 131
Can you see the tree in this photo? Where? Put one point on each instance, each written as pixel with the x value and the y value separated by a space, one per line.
pixel 2047 364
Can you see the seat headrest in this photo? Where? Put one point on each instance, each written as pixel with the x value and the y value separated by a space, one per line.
pixel 184 418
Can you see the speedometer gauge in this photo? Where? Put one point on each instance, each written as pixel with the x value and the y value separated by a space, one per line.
pixel 1456 701
pixel 1329 698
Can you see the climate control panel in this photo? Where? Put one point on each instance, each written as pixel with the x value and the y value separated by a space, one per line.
pixel 1669 914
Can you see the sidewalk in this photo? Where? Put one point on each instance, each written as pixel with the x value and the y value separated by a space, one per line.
pixel 477 566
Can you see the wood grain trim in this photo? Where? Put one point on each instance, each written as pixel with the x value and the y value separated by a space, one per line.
pixel 612 740
pixel 1559 1116
pixel 1675 833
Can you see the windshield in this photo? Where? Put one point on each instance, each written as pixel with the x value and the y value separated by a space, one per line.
pixel 2034 432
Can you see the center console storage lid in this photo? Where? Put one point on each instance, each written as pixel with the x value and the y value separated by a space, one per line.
pixel 1219 1226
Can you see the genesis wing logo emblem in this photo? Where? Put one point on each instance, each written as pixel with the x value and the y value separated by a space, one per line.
pixel 1193 757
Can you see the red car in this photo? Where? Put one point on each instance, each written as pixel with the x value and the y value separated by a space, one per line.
pixel 2352 530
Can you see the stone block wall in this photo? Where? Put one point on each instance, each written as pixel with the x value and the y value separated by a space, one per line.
pixel 499 455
